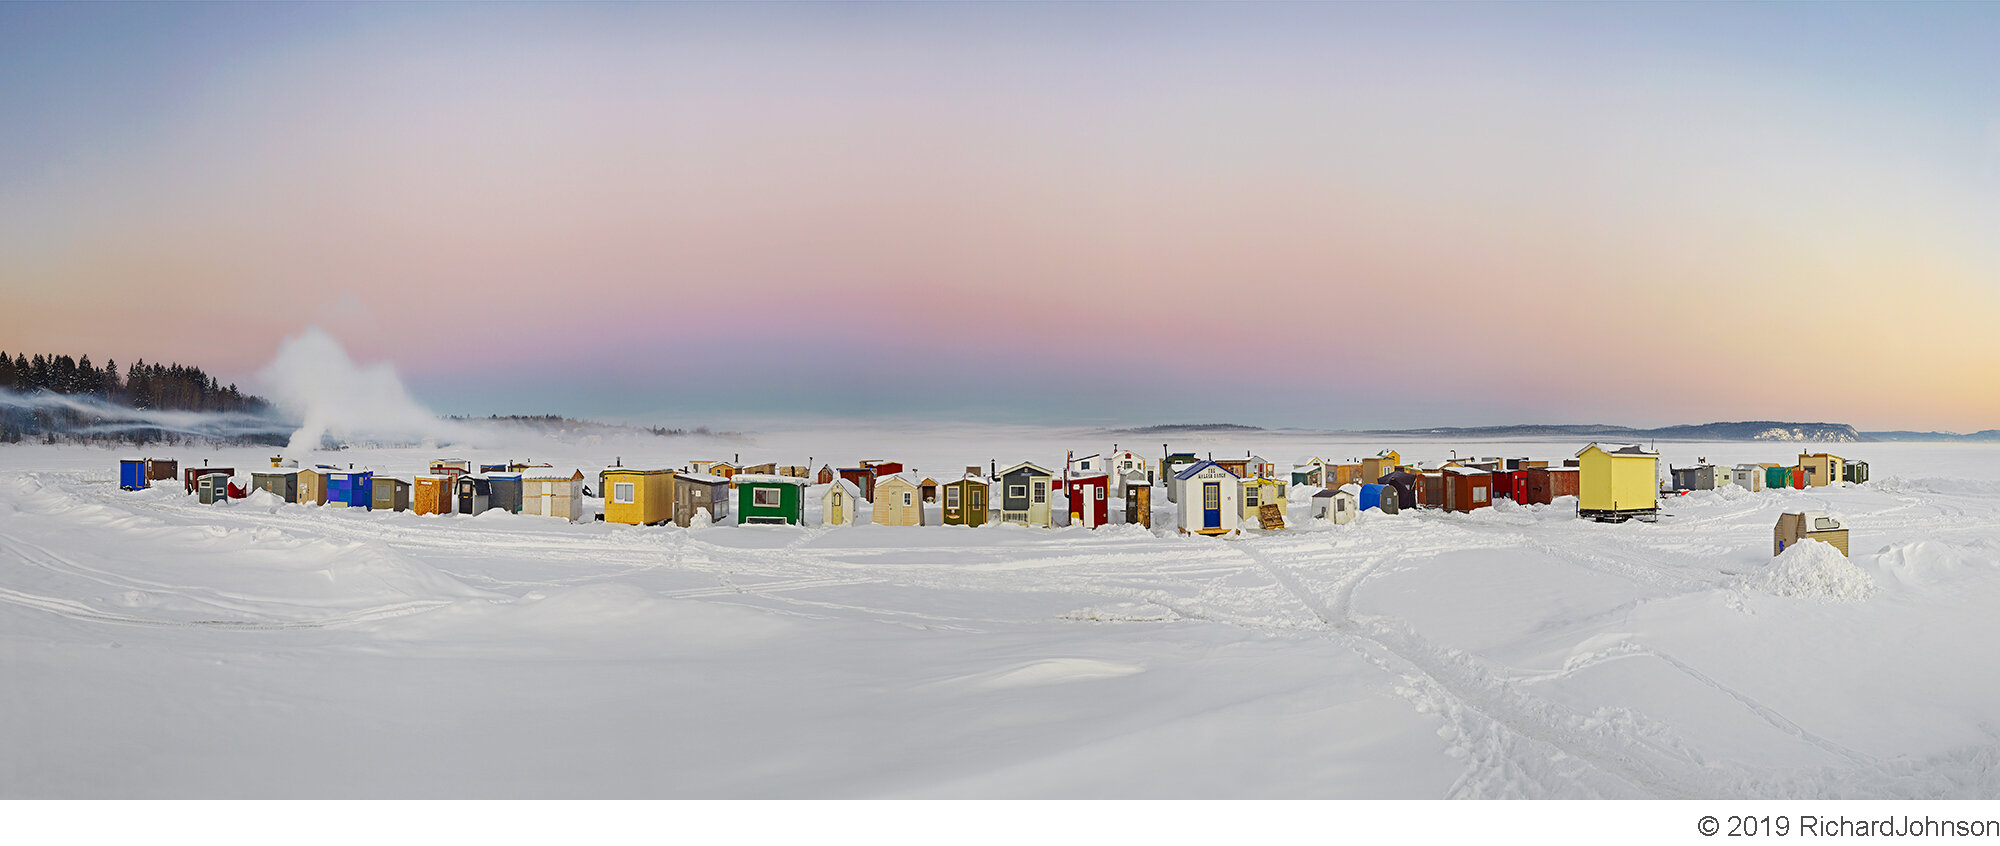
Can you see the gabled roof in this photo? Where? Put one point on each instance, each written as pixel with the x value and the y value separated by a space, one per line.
pixel 1329 493
pixel 546 473
pixel 1195 469
pixel 1035 469
pixel 1618 449
pixel 843 485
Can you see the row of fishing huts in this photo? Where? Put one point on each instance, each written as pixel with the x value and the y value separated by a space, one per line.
pixel 1209 495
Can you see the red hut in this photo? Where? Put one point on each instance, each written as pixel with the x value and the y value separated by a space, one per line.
pixel 1541 485
pixel 863 478
pixel 1503 483
pixel 1089 504
pixel 883 468
pixel 191 477
pixel 1466 488
pixel 826 475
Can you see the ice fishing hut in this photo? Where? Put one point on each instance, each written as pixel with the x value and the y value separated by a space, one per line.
pixel 1171 466
pixel 1259 492
pixel 350 489
pixel 1209 499
pixel 1089 500
pixel 1024 495
pixel 475 494
pixel 1404 483
pixel 212 487
pixel 1138 499
pixel 312 485
pixel 1749 477
pixel 552 493
pixel 284 484
pixel 771 499
pixel 1124 463
pixel 1430 487
pixel 1700 477
pixel 1798 526
pixel 191 477
pixel 1238 466
pixel 1342 475
pixel 838 504
pixel 132 474
pixel 1338 506
pixel 898 501
pixel 1310 470
pixel 1087 465
pixel 432 493
pixel 1855 471
pixel 965 501
pixel 929 486
pixel 1617 483
pixel 390 494
pixel 1379 497
pixel 826 475
pixel 1541 485
pixel 1776 476
pixel 700 492
pixel 1822 468
pixel 636 496
pixel 863 479
pixel 504 492
pixel 1466 488
pixel 1380 464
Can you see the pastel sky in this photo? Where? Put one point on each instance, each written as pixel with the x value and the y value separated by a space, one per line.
pixel 1339 215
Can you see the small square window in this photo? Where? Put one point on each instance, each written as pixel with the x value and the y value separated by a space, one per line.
pixel 621 493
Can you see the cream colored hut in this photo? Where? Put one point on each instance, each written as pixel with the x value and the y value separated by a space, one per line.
pixel 839 503
pixel 899 500
pixel 548 492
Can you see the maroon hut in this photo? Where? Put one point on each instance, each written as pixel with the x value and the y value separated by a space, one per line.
pixel 1089 503
pixel 1541 485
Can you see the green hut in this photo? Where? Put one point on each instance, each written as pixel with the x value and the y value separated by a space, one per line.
pixel 769 499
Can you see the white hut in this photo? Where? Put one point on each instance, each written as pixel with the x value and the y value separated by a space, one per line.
pixel 1124 463
pixel 550 493
pixel 838 504
pixel 1208 499
pixel 1339 506
pixel 1749 477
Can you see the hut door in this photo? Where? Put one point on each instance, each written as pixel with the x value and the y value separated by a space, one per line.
pixel 548 499
pixel 1211 505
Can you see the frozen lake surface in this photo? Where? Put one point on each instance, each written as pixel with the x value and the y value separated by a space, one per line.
pixel 156 647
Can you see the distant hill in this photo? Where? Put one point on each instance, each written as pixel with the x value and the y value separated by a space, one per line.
pixel 1988 436
pixel 1823 433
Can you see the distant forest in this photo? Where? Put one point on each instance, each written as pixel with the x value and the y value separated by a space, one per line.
pixel 142 387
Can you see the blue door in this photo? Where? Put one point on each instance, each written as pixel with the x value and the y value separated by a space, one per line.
pixel 1211 505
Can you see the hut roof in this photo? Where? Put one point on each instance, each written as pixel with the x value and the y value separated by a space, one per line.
pixel 704 479
pixel 1618 449
pixel 766 479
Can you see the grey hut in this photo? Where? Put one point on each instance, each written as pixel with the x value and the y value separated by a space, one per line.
pixel 1855 471
pixel 474 494
pixel 283 483
pixel 700 492
pixel 1749 477
pixel 505 491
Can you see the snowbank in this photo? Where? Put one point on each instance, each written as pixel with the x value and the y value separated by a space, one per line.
pixel 1813 569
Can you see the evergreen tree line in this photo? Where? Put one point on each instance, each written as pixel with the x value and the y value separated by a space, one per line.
pixel 161 387
pixel 156 387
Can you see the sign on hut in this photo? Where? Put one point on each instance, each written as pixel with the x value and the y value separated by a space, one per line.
pixel 391 494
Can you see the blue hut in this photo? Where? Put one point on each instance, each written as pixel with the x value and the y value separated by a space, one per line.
pixel 350 489
pixel 132 474
pixel 1371 497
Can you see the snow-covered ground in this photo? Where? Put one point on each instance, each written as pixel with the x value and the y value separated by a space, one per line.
pixel 155 647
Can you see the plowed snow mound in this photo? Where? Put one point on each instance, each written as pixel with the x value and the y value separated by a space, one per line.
pixel 1814 570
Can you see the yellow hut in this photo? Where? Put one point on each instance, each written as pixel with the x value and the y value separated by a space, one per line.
pixel 1822 468
pixel 638 497
pixel 1617 483
pixel 1378 465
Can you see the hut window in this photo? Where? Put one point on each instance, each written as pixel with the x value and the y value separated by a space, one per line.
pixel 836 497
pixel 1478 494
pixel 907 501
pixel 621 493
pixel 951 497
pixel 1041 492
pixel 765 498
pixel 1250 495
pixel 1100 491
pixel 1017 491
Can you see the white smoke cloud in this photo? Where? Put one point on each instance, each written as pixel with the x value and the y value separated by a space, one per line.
pixel 314 380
